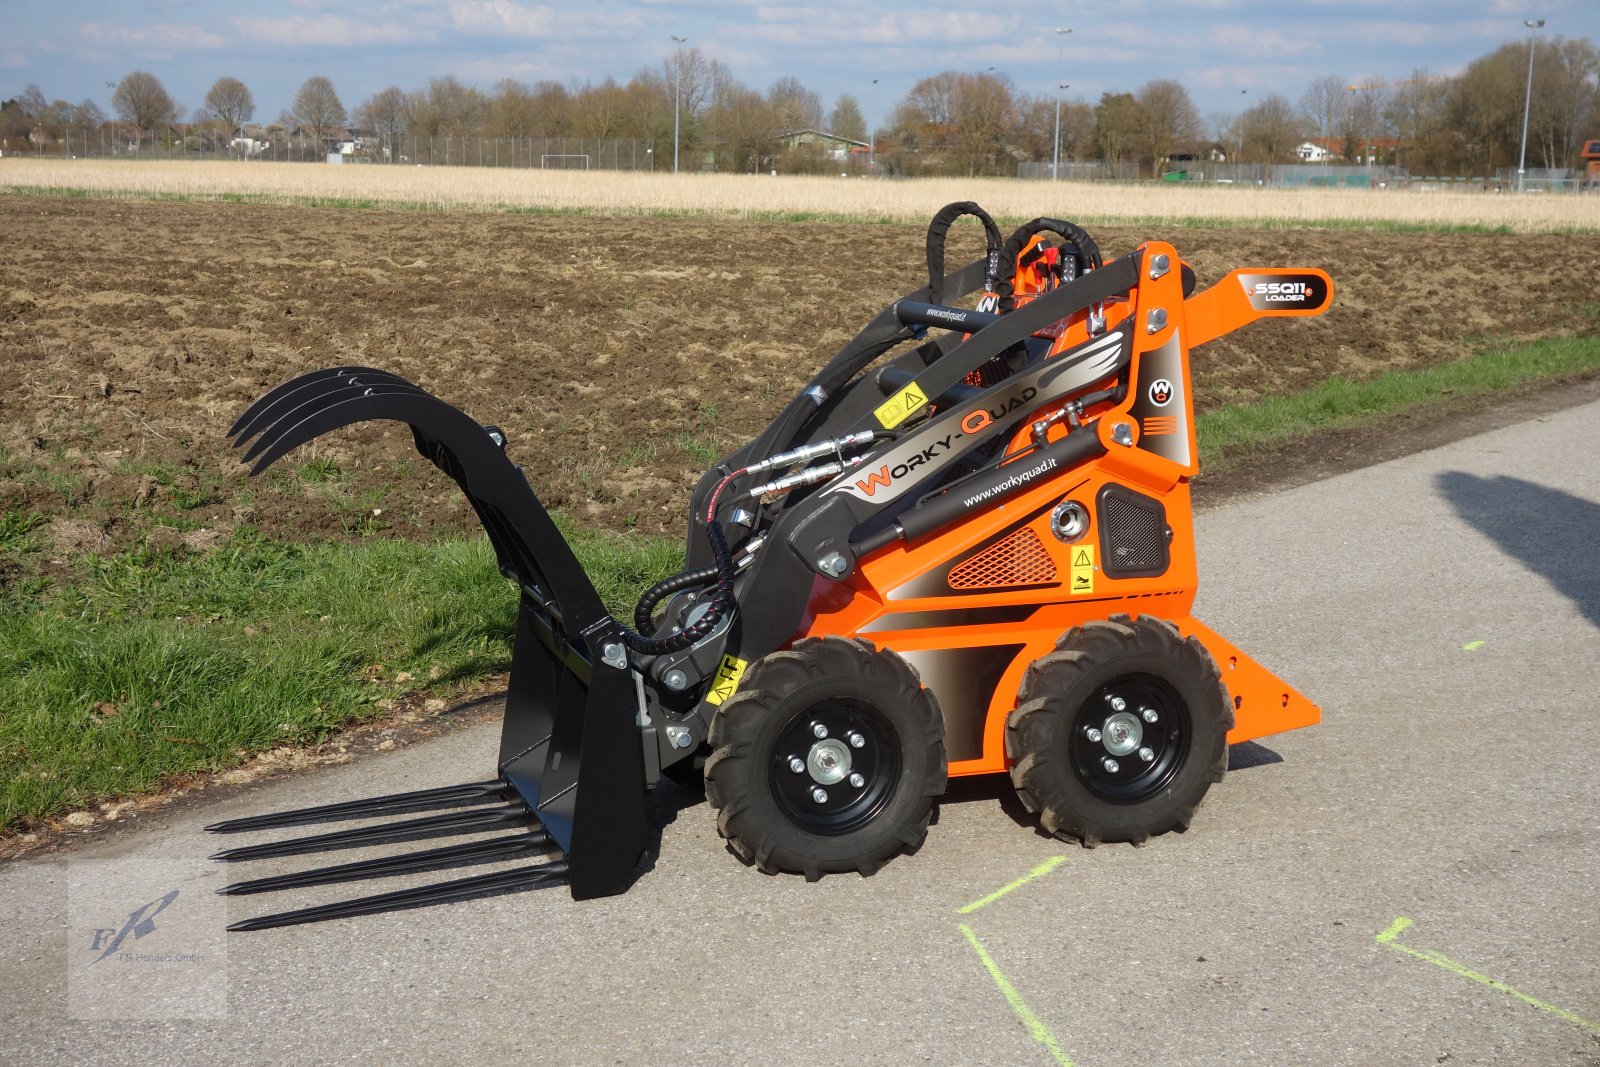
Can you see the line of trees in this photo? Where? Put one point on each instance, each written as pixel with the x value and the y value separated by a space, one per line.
pixel 953 122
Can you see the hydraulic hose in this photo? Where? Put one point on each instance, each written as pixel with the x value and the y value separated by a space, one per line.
pixel 721 601
pixel 665 588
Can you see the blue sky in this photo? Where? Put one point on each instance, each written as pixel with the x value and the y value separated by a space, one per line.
pixel 1215 47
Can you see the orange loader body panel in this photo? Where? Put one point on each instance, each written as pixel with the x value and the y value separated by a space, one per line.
pixel 1023 585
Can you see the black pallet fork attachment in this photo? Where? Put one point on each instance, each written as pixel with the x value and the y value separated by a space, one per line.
pixel 570 774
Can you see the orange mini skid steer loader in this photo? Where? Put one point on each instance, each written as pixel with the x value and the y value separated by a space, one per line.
pixel 960 553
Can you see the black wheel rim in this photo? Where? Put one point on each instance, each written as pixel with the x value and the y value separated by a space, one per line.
pixel 835 743
pixel 1130 739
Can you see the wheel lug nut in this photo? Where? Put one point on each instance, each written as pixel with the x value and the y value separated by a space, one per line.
pixel 1148 714
pixel 856 740
pixel 1117 703
pixel 857 781
pixel 1091 733
pixel 819 794
pixel 797 765
pixel 1147 754
pixel 819 729
pixel 1111 765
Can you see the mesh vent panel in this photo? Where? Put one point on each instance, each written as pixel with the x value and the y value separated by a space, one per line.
pixel 1133 533
pixel 1020 559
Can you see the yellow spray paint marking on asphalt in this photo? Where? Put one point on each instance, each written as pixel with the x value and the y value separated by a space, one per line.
pixel 1473 646
pixel 1396 928
pixel 1038 872
pixel 1036 1029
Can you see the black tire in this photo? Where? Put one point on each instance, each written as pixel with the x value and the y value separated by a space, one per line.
pixel 1085 753
pixel 881 726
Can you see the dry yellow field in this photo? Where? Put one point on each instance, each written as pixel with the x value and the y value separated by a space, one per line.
pixel 623 193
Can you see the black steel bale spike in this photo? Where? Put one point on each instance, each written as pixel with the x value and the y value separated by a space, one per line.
pixel 474 821
pixel 570 749
pixel 393 804
pixel 441 893
pixel 406 863
pixel 265 412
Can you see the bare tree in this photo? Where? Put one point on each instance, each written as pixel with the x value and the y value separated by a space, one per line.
pixel 384 113
pixel 1363 126
pixel 983 112
pixel 1324 102
pixel 1117 121
pixel 1272 128
pixel 510 111
pixel 602 110
pixel 795 106
pixel 317 108
pixel 1567 99
pixel 846 120
pixel 747 125
pixel 230 103
pixel 1168 121
pixel 143 102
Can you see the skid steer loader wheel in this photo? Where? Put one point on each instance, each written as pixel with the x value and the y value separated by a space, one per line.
pixel 1120 732
pixel 828 759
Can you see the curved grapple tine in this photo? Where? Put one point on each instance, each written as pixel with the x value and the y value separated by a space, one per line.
pixel 322 413
pixel 291 407
pixel 273 395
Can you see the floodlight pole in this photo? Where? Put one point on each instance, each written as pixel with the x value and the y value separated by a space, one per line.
pixel 1055 164
pixel 677 96
pixel 1527 100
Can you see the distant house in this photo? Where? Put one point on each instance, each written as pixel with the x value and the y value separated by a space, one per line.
pixel 1312 152
pixel 1376 150
pixel 831 144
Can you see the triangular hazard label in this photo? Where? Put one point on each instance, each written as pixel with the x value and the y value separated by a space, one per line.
pixel 914 398
pixel 1082 559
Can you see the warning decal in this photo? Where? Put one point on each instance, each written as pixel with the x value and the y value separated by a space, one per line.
pixel 726 683
pixel 900 407
pixel 1082 569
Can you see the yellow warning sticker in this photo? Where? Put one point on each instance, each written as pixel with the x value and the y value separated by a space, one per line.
pixel 900 407
pixel 726 683
pixel 1082 569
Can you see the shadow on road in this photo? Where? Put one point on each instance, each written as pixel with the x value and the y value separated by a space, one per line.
pixel 1550 532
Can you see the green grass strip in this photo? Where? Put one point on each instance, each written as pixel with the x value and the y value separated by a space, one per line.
pixel 1036 1029
pixel 159 664
pixel 1231 433
pixel 1389 938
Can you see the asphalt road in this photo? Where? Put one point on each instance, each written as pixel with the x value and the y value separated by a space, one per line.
pixel 1443 609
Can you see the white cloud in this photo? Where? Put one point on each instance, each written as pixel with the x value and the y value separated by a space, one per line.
pixel 329 31
pixel 799 27
pixel 1246 40
pixel 501 18
pixel 162 38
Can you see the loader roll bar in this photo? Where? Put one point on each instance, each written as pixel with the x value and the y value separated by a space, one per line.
pixel 939 229
pixel 1075 235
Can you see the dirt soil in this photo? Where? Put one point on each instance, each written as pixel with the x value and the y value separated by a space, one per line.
pixel 623 356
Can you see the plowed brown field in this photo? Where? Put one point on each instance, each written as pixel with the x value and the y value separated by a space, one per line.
pixel 621 355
